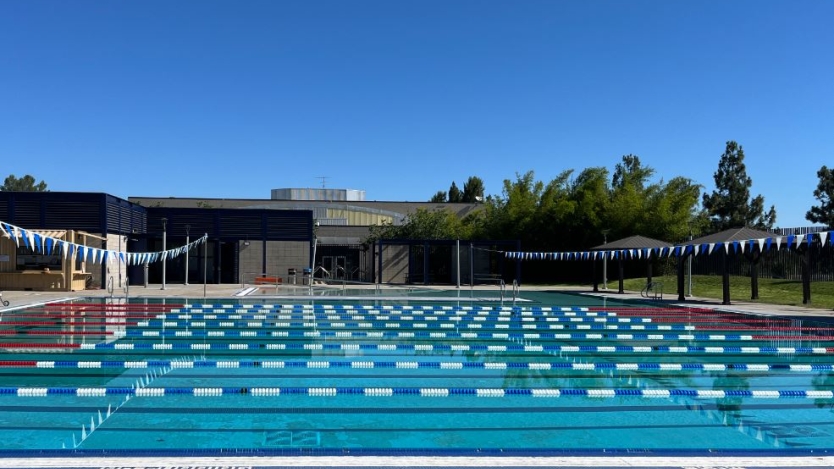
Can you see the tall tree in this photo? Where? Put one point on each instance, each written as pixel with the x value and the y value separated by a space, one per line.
pixel 473 190
pixel 439 197
pixel 24 184
pixel 455 194
pixel 630 196
pixel 729 205
pixel 824 212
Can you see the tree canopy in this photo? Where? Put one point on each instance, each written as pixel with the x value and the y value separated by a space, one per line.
pixel 730 205
pixel 569 212
pixel 824 212
pixel 24 184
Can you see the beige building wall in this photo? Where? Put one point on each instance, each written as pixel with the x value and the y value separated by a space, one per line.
pixel 8 255
pixel 356 218
pixel 116 268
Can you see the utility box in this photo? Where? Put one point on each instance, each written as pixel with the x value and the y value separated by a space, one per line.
pixel 291 276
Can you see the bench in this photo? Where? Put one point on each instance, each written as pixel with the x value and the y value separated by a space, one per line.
pixel 264 280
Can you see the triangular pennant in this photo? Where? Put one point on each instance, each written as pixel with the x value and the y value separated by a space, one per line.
pixel 38 242
pixel 726 247
pixel 823 237
pixel 32 240
pixel 81 252
pixel 789 242
pixel 799 239
pixel 778 242
pixel 15 235
pixel 810 239
pixel 761 242
pixel 50 244
pixel 695 250
pixel 741 245
pixel 25 236
pixel 3 230
pixel 768 243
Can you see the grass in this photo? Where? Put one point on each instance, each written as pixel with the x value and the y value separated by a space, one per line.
pixel 771 291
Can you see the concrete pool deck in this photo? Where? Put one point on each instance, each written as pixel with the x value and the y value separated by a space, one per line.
pixel 19 299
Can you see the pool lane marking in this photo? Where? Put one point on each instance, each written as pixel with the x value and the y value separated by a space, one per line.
pixel 436 365
pixel 429 347
pixel 413 391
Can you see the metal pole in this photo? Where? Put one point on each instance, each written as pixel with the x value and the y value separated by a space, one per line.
pixel 205 265
pixel 119 258
pixel 164 247
pixel 471 267
pixel 457 250
pixel 187 253
pixel 689 268
pixel 605 261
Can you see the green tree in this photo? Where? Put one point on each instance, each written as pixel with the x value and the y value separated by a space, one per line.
pixel 24 184
pixel 439 197
pixel 473 190
pixel 422 224
pixel 455 194
pixel 729 205
pixel 671 212
pixel 630 196
pixel 824 212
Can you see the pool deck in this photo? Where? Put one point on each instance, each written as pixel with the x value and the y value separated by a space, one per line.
pixel 18 299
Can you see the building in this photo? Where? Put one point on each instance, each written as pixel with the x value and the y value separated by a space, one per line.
pixel 247 238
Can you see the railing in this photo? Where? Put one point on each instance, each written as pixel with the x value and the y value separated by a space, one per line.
pixel 5 303
pixel 110 286
pixel 652 290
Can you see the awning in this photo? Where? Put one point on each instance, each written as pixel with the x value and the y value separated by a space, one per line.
pixel 58 234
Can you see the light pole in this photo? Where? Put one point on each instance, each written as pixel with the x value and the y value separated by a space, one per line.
pixel 187 253
pixel 604 261
pixel 164 247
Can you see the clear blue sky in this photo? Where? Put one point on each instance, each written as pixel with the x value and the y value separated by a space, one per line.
pixel 400 98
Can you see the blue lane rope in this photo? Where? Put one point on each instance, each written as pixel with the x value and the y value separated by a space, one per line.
pixel 435 365
pixel 411 391
pixel 433 335
pixel 360 321
pixel 461 348
pixel 392 317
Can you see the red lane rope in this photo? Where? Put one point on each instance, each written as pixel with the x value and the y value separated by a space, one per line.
pixel 55 332
pixel 68 323
pixel 36 345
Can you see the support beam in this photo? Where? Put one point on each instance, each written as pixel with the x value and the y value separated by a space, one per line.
pixel 725 277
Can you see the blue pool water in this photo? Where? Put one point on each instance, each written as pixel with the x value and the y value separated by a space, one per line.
pixel 411 375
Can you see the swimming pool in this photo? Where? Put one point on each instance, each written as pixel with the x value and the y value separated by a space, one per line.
pixel 409 375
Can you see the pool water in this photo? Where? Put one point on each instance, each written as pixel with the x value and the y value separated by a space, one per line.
pixel 411 375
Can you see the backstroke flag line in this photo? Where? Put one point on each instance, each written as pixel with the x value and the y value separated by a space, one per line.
pixel 729 247
pixel 47 245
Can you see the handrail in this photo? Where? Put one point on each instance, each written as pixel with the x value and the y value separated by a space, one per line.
pixel 110 286
pixel 515 290
pixel 5 303
pixel 651 290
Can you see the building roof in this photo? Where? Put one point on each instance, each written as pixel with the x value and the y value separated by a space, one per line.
pixel 733 234
pixel 632 242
